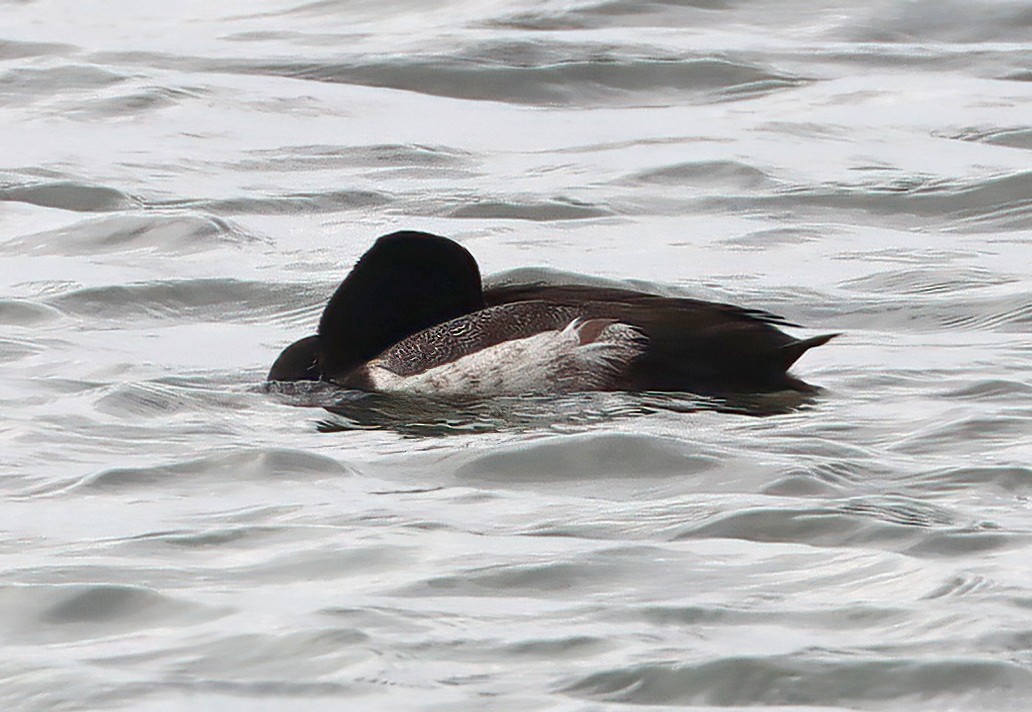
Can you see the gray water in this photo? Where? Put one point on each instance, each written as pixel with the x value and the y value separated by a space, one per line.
pixel 183 185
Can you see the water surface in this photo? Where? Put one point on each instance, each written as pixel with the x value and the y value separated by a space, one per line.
pixel 183 186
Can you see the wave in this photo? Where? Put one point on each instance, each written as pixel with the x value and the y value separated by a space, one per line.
pixel 997 202
pixel 195 300
pixel 412 157
pixel 1015 137
pixel 328 201
pixel 19 312
pixel 524 72
pixel 172 234
pixel 130 101
pixel 940 279
pixel 71 612
pixel 12 350
pixel 896 524
pixel 31 83
pixel 942 21
pixel 70 195
pixel 15 49
pixel 811 680
pixel 565 81
pixel 589 456
pixel 715 176
pixel 227 470
pixel 527 209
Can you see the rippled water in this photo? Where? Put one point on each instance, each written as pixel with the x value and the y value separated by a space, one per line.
pixel 184 184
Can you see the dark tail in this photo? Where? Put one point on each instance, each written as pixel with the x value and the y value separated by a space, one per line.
pixel 790 353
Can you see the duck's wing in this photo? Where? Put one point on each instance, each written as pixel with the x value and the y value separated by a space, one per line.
pixel 574 294
pixel 693 345
pixel 450 341
pixel 519 348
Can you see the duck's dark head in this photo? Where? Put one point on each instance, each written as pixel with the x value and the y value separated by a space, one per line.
pixel 406 282
pixel 297 362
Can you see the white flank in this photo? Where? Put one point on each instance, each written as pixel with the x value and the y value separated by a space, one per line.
pixel 549 362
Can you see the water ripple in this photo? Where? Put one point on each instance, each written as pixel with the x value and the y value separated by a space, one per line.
pixel 171 234
pixel 191 299
pixel 746 681
pixel 258 465
pixel 70 195
pixel 80 611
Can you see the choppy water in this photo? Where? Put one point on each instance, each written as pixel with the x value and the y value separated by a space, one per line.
pixel 182 186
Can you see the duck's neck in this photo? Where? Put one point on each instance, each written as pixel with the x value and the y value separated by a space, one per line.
pixel 406 282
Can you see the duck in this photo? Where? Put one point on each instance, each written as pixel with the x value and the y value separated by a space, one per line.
pixel 413 317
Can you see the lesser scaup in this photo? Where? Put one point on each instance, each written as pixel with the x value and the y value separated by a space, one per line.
pixel 412 317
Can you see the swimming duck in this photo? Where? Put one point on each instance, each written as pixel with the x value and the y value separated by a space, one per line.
pixel 412 316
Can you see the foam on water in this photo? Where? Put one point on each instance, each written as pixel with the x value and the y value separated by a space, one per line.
pixel 181 189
